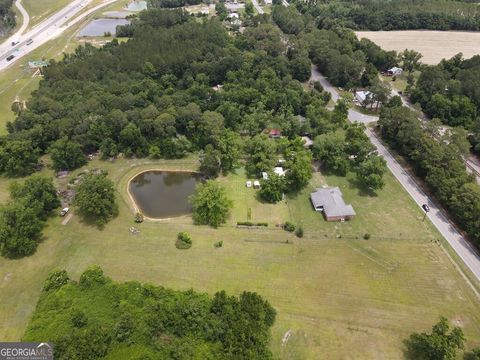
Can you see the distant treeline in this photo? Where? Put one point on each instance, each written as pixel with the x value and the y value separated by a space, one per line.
pixel 395 15
pixel 7 16
pixel 156 4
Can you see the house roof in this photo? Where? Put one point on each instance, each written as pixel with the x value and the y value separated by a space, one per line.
pixel 362 95
pixel 275 132
pixel 395 69
pixel 331 199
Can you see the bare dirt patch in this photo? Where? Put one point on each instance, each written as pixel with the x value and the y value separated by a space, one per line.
pixel 433 45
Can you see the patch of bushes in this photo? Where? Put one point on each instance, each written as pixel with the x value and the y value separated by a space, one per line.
pixel 250 223
pixel 184 241
pixel 366 236
pixel 218 244
pixel 299 232
pixel 288 226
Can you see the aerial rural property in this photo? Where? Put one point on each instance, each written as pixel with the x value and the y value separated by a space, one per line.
pixel 239 179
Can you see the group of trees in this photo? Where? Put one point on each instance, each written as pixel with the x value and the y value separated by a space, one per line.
pixel 442 343
pixel 95 198
pixel 437 157
pixel 449 92
pixel 347 148
pixel 394 15
pixel 7 16
pixel 22 219
pixel 143 321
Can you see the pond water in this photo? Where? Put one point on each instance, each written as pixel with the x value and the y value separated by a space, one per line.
pixel 163 194
pixel 100 26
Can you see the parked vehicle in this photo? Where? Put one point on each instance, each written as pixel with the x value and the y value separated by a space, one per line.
pixel 425 207
pixel 15 42
pixel 29 41
pixel 64 211
pixel 10 57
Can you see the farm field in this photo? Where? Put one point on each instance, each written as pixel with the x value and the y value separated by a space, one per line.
pixel 336 294
pixel 433 45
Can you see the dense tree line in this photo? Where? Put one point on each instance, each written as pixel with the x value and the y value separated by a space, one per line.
pixel 7 16
pixel 449 92
pixel 154 96
pixel 394 15
pixel 155 4
pixel 132 320
pixel 437 158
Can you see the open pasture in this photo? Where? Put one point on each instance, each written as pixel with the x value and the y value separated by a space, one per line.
pixel 433 45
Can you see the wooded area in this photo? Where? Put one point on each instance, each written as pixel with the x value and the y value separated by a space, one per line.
pixel 394 15
pixel 142 321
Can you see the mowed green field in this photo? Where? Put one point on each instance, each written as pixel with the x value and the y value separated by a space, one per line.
pixel 39 10
pixel 337 295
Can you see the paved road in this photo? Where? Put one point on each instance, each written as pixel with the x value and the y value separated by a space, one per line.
pixel 47 30
pixel 463 249
pixel 257 6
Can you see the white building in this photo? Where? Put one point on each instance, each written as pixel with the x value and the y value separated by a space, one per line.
pixel 362 97
pixel 395 71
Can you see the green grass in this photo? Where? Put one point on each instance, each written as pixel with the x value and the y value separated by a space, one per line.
pixel 40 10
pixel 337 293
pixel 339 296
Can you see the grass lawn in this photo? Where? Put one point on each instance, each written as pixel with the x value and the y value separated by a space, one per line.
pixel 39 10
pixel 336 294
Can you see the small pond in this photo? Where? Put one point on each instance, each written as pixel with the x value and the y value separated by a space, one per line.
pixel 101 26
pixel 163 194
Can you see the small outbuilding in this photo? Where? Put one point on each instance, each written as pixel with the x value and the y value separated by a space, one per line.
pixel 279 171
pixel 248 184
pixel 330 201
pixel 256 184
pixel 274 133
pixel 394 71
pixel 264 175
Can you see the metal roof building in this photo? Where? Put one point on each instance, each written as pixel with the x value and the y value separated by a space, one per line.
pixel 330 201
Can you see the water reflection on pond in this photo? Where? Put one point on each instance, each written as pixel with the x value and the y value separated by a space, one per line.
pixel 163 194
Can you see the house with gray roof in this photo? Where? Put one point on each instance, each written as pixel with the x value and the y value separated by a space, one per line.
pixel 329 200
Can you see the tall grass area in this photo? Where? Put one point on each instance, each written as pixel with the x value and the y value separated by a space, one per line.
pixel 335 292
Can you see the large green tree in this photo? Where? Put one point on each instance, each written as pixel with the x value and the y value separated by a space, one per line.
pixel 441 344
pixel 272 189
pixel 210 203
pixel 20 229
pixel 38 189
pixel 95 198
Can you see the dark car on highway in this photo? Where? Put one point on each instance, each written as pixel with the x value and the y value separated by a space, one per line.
pixel 10 57
pixel 426 207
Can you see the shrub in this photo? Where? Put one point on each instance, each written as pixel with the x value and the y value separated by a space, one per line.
pixel 138 217
pixel 250 223
pixel 55 280
pixel 288 226
pixel 366 236
pixel 184 241
pixel 218 244
pixel 299 232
